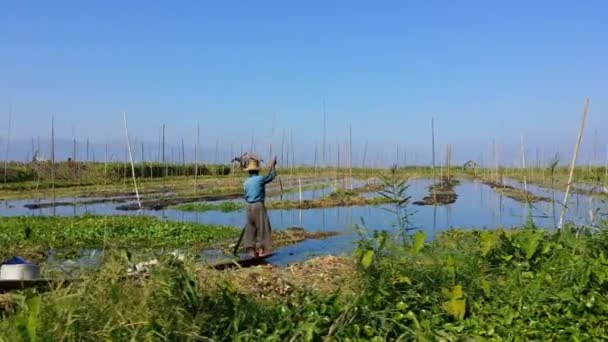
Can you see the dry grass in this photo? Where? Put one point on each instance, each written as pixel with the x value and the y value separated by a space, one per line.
pixel 325 274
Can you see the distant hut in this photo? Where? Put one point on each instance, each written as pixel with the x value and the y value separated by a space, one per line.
pixel 470 165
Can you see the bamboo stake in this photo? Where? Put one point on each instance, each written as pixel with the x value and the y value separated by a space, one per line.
pixel 574 157
pixel 8 141
pixel 283 147
pixel 198 134
pixel 105 167
pixel 324 134
pixel 143 164
pixel 300 187
pixel 183 156
pixel 293 154
pixel 433 140
pixel 338 166
pixel 523 165
pixel 606 172
pixel 53 161
pixel 124 115
pixel 350 157
pixel 364 155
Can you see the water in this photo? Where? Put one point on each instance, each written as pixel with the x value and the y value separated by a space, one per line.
pixel 478 206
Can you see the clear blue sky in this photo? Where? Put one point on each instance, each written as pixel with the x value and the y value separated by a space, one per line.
pixel 485 70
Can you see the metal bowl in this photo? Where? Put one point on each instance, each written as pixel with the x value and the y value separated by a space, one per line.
pixel 19 272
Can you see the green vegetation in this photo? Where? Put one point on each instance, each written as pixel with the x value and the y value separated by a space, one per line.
pixel 516 194
pixel 523 284
pixel 225 207
pixel 552 176
pixel 339 198
pixel 110 231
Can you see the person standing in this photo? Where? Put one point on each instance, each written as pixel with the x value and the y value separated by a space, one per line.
pixel 257 232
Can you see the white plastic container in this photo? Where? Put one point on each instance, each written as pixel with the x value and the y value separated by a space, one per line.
pixel 20 272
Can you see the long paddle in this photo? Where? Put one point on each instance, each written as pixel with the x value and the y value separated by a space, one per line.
pixel 238 243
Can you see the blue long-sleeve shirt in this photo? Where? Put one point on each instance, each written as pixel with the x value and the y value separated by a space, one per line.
pixel 255 187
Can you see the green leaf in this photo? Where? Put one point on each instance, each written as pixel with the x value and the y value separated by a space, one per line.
pixel 456 304
pixel 487 241
pixel 403 280
pixel 28 323
pixel 419 239
pixel 367 258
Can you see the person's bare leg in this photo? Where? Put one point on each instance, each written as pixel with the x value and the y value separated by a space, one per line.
pixel 253 252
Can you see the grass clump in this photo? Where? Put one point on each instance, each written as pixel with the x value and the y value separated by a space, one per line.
pixel 526 284
pixel 225 207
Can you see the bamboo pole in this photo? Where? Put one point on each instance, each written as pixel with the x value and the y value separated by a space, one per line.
pixel 324 134
pixel 293 154
pixel 8 142
pixel 300 187
pixel 606 172
pixel 573 163
pixel 143 164
pixel 364 155
pixel 350 156
pixel 338 165
pixel 523 165
pixel 53 161
pixel 105 166
pixel 283 147
pixel 198 134
pixel 124 115
pixel 433 141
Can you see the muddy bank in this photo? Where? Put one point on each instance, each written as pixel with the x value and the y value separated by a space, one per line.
pixel 441 193
pixel 45 205
pixel 513 193
pixel 162 203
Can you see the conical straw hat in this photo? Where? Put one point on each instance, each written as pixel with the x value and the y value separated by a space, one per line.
pixel 253 165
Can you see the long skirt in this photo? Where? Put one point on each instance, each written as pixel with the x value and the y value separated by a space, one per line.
pixel 257 228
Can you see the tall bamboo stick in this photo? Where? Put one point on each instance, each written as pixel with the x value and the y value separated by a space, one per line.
pixel 433 140
pixel 606 171
pixel 523 165
pixel 350 157
pixel 8 141
pixel 324 134
pixel 124 115
pixel 364 155
pixel 198 134
pixel 53 161
pixel 573 163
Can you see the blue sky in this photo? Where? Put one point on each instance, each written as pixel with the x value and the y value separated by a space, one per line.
pixel 485 70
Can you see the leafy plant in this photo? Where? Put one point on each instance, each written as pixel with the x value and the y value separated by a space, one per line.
pixel 395 189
